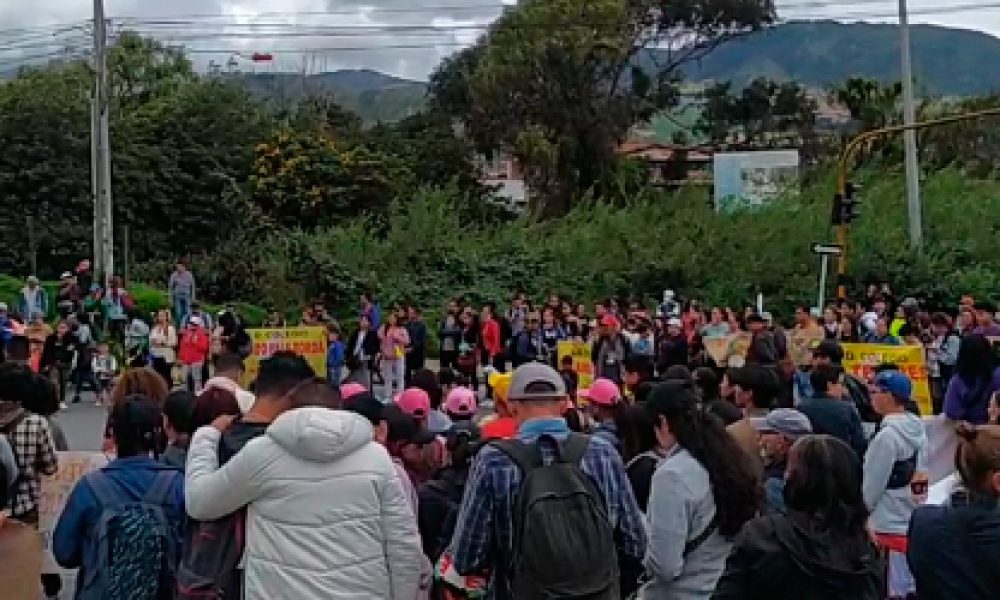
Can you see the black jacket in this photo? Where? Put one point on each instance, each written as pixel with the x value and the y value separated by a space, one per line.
pixel 954 550
pixel 437 509
pixel 839 418
pixel 369 345
pixel 780 557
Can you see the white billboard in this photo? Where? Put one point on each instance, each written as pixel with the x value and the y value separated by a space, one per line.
pixel 753 178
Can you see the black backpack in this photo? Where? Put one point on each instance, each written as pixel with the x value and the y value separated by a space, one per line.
pixel 564 544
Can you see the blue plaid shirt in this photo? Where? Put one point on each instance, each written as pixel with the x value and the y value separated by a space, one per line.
pixel 484 537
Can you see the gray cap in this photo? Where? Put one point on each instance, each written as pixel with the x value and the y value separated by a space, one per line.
pixel 785 421
pixel 536 381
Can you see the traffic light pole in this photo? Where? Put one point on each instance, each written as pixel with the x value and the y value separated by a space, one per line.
pixel 847 158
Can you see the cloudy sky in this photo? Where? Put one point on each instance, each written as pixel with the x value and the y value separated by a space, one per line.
pixel 404 37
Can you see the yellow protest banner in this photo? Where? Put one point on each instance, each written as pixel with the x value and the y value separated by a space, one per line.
pixel 310 342
pixel 580 351
pixel 861 360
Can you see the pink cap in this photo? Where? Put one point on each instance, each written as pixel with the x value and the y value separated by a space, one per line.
pixel 603 391
pixel 414 402
pixel 460 402
pixel 349 390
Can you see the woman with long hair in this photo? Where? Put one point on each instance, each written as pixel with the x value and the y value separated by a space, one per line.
pixel 954 549
pixel 163 346
pixel 976 378
pixel 819 549
pixel 702 494
pixel 640 450
pixel 393 342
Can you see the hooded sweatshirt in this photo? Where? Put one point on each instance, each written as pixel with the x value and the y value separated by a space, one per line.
pixel 326 513
pixel 790 556
pixel 899 438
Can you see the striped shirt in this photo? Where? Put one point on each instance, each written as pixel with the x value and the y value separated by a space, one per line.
pixel 484 538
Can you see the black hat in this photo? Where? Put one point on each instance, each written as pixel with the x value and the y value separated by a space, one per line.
pixel 756 318
pixel 829 349
pixel 367 406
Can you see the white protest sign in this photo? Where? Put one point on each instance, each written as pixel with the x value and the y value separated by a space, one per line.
pixel 55 491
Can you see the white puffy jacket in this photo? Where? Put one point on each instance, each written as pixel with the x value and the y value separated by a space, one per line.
pixel 327 517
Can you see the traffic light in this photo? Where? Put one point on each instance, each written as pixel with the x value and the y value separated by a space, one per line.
pixel 850 204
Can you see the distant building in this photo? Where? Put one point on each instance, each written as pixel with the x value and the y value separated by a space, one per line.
pixel 503 172
pixel 670 164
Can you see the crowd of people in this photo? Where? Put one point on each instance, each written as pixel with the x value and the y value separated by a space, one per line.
pixel 669 476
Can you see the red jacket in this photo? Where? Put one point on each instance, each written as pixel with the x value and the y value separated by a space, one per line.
pixel 491 338
pixel 194 346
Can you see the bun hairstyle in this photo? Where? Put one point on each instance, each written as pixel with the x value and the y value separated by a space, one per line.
pixel 137 425
pixel 978 455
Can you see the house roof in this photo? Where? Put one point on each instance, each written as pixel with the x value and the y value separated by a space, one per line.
pixel 651 151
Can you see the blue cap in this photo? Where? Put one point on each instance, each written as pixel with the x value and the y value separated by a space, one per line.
pixel 894 382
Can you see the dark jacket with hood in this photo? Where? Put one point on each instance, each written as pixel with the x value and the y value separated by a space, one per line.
pixel 954 550
pixel 780 557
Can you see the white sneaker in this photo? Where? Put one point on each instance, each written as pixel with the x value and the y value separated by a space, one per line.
pixel 63 406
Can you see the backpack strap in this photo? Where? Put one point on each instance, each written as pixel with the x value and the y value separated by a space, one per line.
pixel 693 544
pixel 526 456
pixel 573 448
pixel 159 493
pixel 106 493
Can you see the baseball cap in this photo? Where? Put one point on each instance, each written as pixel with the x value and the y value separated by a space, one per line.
pixel 66 275
pixel 364 404
pixel 405 428
pixel 784 421
pixel 414 402
pixel 351 389
pixel 895 383
pixel 32 279
pixel 195 321
pixel 460 402
pixel 536 381
pixel 602 392
pixel 829 349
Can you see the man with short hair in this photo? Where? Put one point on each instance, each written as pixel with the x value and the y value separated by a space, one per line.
pixel 881 334
pixel 828 410
pixel 484 538
pixel 985 324
pixel 229 371
pixel 754 389
pixel 181 289
pixel 416 352
pixel 779 430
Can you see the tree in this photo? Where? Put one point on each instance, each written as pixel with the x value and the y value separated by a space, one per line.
pixel 870 103
pixel 559 82
pixel 762 115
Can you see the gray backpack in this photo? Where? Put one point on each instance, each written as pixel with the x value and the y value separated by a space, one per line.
pixel 132 551
pixel 564 543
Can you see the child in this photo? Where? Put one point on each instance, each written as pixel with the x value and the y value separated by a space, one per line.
pixel 335 357
pixel 105 368
pixel 570 376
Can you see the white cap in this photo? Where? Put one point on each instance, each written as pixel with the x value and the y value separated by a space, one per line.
pixel 194 320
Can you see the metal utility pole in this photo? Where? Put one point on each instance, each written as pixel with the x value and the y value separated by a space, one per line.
pixel 104 264
pixel 913 206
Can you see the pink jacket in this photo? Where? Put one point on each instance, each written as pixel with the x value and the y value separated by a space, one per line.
pixel 393 342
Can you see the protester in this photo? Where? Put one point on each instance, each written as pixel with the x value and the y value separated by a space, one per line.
pixel 181 291
pixel 122 524
pixel 779 431
pixel 640 450
pixel 371 311
pixel 324 467
pixel 502 425
pixel 829 412
pixel 178 416
pixel 460 405
pixel 492 340
pixel 604 400
pixel 58 355
pixel 528 344
pixel 437 421
pixel 702 495
pixel 985 315
pixel 976 378
pixel 416 353
pixel 393 341
pixel 609 351
pixel 954 549
pixel 163 346
pixel 439 498
pixel 818 549
pixel 895 480
pixel 753 389
pixel 41 398
pixel 763 348
pixel 228 375
pixel 945 346
pixel 104 366
pixel 193 352
pixel 716 326
pixel 33 300
pixel 362 349
pixel 807 332
pixel 469 345
pixel 602 514
pixel 117 303
pixel 31 440
pixel 881 334
pixel 673 347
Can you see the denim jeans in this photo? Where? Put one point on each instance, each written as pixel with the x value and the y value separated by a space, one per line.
pixel 182 308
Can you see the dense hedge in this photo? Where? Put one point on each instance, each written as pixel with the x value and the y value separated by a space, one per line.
pixel 425 253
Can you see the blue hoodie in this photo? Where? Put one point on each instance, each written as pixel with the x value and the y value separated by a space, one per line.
pixel 135 475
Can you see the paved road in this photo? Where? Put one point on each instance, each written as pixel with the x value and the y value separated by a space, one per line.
pixel 83 424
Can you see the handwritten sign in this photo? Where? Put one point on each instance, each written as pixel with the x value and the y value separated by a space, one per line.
pixel 729 350
pixel 310 342
pixel 580 351
pixel 861 360
pixel 55 491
